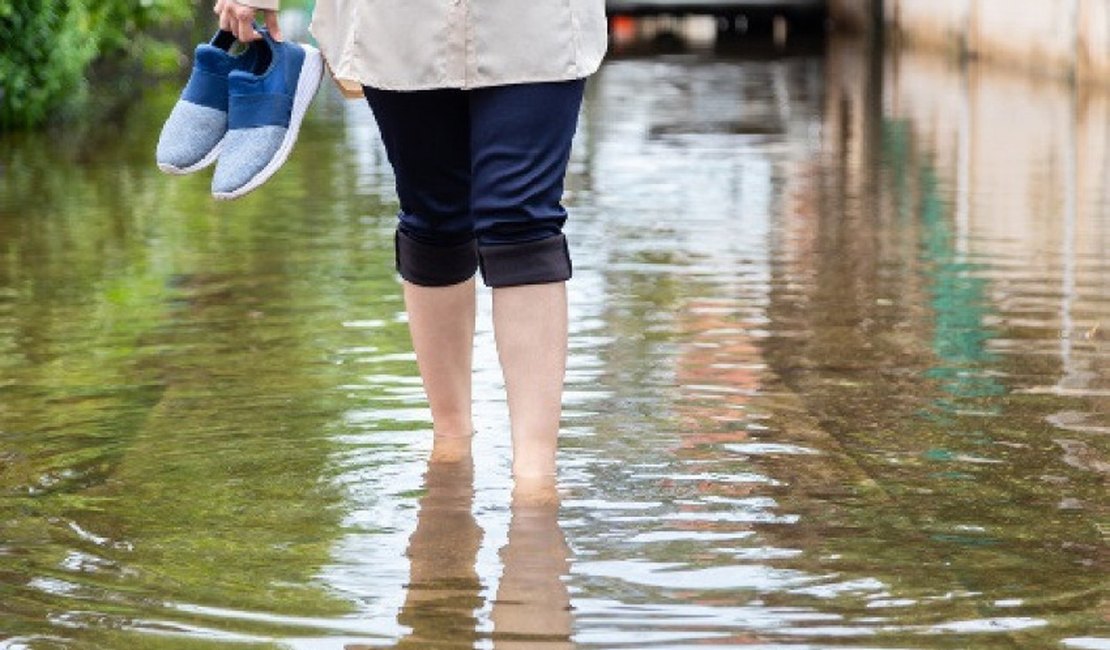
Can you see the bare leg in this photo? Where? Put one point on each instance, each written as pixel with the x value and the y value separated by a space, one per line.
pixel 441 322
pixel 530 325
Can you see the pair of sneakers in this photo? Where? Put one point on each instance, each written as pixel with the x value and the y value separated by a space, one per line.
pixel 240 110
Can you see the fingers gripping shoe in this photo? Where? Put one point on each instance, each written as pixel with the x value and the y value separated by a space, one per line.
pixel 266 106
pixel 193 133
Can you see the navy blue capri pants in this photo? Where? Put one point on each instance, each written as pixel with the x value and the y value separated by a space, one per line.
pixel 480 178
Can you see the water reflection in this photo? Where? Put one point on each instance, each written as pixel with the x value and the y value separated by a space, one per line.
pixel 838 378
pixel 444 593
pixel 533 607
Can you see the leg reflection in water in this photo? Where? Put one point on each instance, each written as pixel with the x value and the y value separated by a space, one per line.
pixel 532 609
pixel 444 593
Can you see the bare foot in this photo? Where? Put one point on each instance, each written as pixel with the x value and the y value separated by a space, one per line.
pixel 535 491
pixel 450 449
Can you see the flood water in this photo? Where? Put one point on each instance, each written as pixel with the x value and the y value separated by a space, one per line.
pixel 838 378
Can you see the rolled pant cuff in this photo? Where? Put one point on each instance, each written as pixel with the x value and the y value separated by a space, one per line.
pixel 535 262
pixel 435 266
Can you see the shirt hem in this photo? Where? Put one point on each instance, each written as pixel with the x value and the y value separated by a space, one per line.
pixel 381 84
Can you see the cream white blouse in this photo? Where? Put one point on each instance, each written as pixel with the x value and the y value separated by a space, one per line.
pixel 425 44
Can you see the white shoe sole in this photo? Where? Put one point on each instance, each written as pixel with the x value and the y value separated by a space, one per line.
pixel 208 159
pixel 312 70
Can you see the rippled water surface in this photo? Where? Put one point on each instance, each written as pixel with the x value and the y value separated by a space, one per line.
pixel 839 377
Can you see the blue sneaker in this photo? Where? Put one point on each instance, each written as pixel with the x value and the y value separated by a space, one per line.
pixel 193 133
pixel 267 104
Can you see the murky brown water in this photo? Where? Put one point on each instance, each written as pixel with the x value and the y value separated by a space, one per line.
pixel 839 378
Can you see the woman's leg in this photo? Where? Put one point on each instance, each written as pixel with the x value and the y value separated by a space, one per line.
pixel 441 323
pixel 426 135
pixel 530 325
pixel 520 143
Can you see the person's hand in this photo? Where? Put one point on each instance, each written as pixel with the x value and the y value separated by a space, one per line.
pixel 239 20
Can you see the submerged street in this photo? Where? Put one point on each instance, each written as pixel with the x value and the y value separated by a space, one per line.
pixel 838 378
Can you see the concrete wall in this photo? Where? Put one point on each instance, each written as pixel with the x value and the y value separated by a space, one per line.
pixel 1061 38
pixel 939 23
pixel 851 15
pixel 1093 40
pixel 1057 38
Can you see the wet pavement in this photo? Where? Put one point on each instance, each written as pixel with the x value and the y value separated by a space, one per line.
pixel 838 378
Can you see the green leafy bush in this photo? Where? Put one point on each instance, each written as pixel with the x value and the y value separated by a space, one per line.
pixel 48 45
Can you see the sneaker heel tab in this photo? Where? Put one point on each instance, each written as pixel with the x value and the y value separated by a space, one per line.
pixel 211 58
pixel 273 43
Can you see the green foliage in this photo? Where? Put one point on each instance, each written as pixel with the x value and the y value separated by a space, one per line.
pixel 49 45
